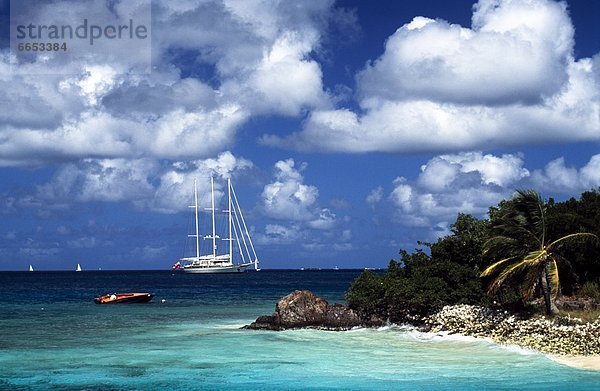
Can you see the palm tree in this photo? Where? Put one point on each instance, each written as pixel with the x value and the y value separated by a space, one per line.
pixel 523 252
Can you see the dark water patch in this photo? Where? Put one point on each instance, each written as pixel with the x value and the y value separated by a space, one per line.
pixel 205 365
pixel 89 387
pixel 132 371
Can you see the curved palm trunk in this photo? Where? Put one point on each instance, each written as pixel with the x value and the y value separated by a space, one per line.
pixel 544 282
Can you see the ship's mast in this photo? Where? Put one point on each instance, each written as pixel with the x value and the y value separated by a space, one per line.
pixel 229 207
pixel 196 214
pixel 214 234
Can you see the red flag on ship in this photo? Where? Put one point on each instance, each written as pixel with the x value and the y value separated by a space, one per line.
pixel 176 266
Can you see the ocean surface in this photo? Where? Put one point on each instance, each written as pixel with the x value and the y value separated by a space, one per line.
pixel 53 337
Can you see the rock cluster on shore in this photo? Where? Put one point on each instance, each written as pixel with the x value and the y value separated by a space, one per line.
pixel 304 309
pixel 562 336
pixel 573 337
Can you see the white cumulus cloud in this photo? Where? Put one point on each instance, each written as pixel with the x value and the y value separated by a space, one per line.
pixel 467 182
pixel 279 234
pixel 556 176
pixel 296 215
pixel 141 182
pixel 441 171
pixel 216 64
pixel 471 182
pixel 509 79
pixel 375 196
pixel 288 198
pixel 439 61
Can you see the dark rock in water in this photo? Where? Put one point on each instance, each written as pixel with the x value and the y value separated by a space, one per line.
pixel 302 309
pixel 265 319
pixel 265 322
pixel 340 317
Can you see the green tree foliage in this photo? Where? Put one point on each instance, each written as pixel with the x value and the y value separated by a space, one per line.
pixel 421 283
pixel 448 271
pixel 574 215
pixel 367 292
pixel 464 245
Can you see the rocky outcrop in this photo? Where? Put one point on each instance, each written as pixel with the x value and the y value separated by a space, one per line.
pixel 300 309
pixel 561 335
pixel 340 317
pixel 304 309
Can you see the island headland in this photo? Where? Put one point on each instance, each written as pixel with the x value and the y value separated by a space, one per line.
pixel 570 342
pixel 494 278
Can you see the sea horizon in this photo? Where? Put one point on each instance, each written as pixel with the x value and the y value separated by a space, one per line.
pixel 307 269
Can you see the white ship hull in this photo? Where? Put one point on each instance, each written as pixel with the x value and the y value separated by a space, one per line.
pixel 216 269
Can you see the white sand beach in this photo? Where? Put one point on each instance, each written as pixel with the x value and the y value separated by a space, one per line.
pixel 581 362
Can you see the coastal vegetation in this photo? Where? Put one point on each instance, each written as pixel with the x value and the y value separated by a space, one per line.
pixel 509 261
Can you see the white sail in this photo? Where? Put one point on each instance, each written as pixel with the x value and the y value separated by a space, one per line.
pixel 78 269
pixel 30 268
pixel 221 261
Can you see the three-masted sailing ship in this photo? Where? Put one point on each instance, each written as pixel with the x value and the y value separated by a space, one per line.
pixel 221 258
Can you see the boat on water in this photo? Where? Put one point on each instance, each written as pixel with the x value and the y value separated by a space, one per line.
pixel 30 268
pixel 220 258
pixel 115 298
pixel 78 268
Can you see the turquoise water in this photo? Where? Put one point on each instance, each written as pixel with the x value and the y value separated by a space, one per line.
pixel 53 337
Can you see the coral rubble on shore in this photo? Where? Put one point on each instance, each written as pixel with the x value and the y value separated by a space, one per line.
pixel 562 336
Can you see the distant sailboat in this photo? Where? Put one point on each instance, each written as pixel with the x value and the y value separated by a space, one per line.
pixel 237 232
pixel 30 268
pixel 78 268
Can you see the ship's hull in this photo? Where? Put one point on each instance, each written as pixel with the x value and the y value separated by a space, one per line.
pixel 215 269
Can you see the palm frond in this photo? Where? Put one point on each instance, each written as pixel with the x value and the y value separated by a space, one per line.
pixel 530 281
pixel 493 267
pixel 516 232
pixel 500 239
pixel 532 207
pixel 570 237
pixel 502 246
pixel 535 256
pixel 531 260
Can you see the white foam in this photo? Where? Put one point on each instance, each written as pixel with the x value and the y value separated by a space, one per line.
pixel 519 349
pixel 356 329
pixel 229 326
pixel 445 336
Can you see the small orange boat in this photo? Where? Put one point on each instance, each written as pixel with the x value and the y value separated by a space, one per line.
pixel 114 298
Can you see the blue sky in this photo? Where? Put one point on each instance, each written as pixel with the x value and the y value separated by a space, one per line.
pixel 351 129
